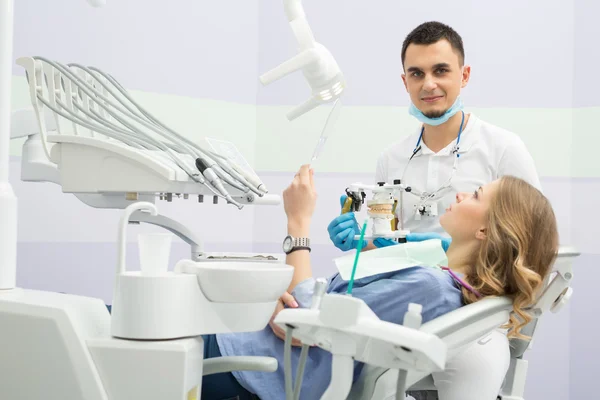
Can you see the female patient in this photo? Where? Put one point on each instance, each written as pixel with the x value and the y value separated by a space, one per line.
pixel 504 241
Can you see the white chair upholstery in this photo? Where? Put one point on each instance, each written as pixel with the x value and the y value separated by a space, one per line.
pixel 468 325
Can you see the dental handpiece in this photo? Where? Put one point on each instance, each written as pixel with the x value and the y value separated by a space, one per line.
pixel 229 167
pixel 212 177
pixel 249 177
pixel 212 164
pixel 229 179
pixel 318 293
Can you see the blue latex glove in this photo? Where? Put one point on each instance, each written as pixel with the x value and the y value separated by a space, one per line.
pixel 419 237
pixel 343 228
pixel 383 242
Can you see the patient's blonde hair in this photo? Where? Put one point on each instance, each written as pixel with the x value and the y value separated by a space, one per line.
pixel 519 249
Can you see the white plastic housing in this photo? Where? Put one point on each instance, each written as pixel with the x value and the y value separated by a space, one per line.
pixel 89 165
pixel 35 166
pixel 239 282
pixel 8 200
pixel 377 342
pixel 317 64
pixel 173 306
pixel 43 345
pixel 6 50
pixel 149 370
pixel 56 346
pixel 154 250
pixel 392 235
pixel 8 237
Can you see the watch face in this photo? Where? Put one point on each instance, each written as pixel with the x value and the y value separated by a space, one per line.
pixel 287 244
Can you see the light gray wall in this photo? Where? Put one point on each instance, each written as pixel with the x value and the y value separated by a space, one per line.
pixel 511 45
pixel 189 48
pixel 585 321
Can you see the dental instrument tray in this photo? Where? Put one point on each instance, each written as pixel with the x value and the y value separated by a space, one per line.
pixel 96 141
pixel 94 165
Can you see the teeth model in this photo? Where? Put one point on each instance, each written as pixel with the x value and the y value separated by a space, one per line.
pixel 380 211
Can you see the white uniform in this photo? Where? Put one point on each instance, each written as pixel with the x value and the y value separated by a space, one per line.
pixel 487 152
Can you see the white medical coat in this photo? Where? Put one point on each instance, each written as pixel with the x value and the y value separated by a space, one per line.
pixel 487 152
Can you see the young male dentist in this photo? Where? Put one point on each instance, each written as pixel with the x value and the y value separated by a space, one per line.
pixel 451 152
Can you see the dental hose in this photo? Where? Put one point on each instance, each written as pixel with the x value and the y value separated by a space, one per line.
pixel 401 385
pixel 227 165
pixel 91 92
pixel 287 363
pixel 221 168
pixel 318 293
pixel 300 371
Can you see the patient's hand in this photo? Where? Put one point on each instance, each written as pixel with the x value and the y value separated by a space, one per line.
pixel 300 197
pixel 289 301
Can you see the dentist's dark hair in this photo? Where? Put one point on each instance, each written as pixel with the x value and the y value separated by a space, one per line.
pixel 432 32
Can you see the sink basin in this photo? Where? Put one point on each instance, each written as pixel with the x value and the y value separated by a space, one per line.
pixel 239 281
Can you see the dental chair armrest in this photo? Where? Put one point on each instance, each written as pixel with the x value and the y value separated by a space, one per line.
pixel 219 365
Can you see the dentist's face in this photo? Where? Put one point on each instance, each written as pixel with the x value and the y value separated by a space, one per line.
pixel 433 77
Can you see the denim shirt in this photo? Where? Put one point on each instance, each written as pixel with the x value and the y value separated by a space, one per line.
pixel 387 294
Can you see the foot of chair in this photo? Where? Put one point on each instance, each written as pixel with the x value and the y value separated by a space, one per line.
pixel 514 383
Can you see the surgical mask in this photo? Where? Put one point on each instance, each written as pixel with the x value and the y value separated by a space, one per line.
pixel 427 253
pixel 456 107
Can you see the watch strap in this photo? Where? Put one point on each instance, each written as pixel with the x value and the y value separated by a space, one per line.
pixel 299 248
pixel 301 242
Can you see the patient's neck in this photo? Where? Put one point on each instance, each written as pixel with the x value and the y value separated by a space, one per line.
pixel 460 255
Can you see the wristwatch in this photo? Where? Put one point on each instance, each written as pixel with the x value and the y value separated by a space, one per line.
pixel 291 244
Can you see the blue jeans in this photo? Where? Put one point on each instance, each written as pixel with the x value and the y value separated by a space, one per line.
pixel 222 386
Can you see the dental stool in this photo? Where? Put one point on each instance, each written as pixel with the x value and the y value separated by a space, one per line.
pixel 466 331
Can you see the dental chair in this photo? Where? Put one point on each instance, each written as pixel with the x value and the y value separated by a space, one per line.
pixel 475 323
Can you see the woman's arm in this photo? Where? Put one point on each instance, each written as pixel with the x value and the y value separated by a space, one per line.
pixel 299 259
pixel 299 203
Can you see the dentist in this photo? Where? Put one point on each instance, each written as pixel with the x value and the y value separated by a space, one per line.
pixel 452 151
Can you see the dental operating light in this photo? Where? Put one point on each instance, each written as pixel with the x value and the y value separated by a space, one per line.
pixel 316 62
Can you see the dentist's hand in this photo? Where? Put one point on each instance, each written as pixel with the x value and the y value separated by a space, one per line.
pixel 419 237
pixel 383 242
pixel 342 230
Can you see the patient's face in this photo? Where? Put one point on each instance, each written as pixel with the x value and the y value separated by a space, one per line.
pixel 465 218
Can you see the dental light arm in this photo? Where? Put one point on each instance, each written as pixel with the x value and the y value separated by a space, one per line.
pixel 316 62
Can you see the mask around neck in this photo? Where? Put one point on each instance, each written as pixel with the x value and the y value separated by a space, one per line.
pixel 456 107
